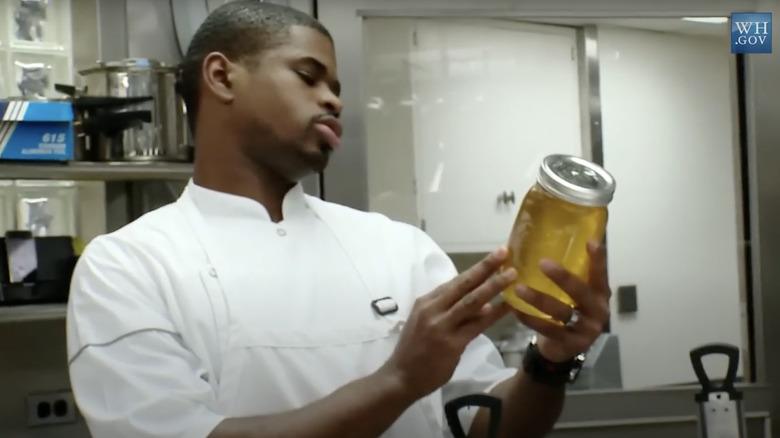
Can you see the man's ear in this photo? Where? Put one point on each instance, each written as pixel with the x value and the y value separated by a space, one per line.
pixel 218 76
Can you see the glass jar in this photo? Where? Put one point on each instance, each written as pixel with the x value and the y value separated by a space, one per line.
pixel 47 208
pixel 564 209
pixel 34 75
pixel 38 24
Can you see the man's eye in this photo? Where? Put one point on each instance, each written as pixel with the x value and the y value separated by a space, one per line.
pixel 306 78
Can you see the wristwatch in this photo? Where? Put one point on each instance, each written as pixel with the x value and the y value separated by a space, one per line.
pixel 544 371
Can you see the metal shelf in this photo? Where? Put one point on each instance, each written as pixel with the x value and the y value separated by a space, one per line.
pixel 33 312
pixel 103 171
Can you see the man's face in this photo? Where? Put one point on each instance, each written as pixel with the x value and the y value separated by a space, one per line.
pixel 286 105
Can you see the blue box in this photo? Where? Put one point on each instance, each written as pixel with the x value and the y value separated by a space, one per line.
pixel 36 131
pixel 751 32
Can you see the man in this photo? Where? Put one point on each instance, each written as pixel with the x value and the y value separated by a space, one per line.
pixel 249 309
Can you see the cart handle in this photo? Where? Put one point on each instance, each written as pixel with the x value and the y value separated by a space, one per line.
pixel 493 404
pixel 727 384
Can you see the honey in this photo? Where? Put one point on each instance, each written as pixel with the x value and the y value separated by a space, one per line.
pixel 559 214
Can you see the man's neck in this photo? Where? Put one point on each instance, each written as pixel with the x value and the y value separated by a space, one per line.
pixel 225 175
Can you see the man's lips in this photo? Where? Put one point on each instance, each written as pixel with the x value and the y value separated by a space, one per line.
pixel 330 129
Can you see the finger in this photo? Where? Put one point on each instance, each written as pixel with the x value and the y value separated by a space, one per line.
pixel 471 304
pixel 487 316
pixel 590 303
pixel 544 303
pixel 471 278
pixel 544 327
pixel 578 290
pixel 597 274
pixel 588 328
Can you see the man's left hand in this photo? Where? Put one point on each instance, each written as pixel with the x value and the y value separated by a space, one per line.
pixel 559 343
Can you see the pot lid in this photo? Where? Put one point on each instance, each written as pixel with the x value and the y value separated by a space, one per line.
pixel 133 62
pixel 127 64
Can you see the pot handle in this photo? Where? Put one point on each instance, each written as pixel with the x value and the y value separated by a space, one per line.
pixel 493 404
pixel 112 124
pixel 69 90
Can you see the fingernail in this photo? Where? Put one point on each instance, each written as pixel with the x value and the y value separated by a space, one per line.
pixel 547 265
pixel 522 291
pixel 500 252
pixel 510 274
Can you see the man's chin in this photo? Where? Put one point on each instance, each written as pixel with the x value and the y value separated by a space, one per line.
pixel 314 162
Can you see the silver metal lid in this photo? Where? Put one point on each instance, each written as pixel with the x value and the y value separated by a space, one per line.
pixel 129 64
pixel 134 62
pixel 576 180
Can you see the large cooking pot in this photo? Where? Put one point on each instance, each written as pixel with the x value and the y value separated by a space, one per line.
pixel 99 123
pixel 167 136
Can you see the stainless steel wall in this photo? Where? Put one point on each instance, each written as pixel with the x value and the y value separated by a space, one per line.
pixel 150 31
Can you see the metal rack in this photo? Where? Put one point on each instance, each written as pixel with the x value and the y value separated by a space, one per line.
pixel 89 171
pixel 117 175
pixel 32 312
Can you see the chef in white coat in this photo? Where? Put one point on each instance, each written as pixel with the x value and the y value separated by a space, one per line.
pixel 250 309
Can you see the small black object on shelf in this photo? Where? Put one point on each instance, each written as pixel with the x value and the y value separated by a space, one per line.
pixel 35 270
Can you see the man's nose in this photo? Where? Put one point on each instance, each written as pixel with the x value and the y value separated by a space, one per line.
pixel 332 102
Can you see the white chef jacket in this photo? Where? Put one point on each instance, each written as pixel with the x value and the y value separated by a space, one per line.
pixel 206 309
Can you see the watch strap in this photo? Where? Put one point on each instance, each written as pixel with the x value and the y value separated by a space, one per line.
pixel 547 372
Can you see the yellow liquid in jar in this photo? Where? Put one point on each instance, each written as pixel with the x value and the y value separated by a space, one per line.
pixel 549 227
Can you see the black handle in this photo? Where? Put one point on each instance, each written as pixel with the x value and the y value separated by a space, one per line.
pixel 493 404
pixel 113 123
pixel 507 198
pixel 70 90
pixel 708 386
pixel 81 102
pixel 91 103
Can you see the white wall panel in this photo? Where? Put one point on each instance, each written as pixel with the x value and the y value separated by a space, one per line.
pixel 668 140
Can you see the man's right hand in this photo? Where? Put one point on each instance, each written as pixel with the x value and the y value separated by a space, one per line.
pixel 443 322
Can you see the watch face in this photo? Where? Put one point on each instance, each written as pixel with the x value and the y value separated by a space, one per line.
pixel 541 369
pixel 577 363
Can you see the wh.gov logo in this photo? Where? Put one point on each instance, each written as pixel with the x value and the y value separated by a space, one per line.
pixel 751 33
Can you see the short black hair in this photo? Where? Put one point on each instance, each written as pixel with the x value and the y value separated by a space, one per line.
pixel 241 30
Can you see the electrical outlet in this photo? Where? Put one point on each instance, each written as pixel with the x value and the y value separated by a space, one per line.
pixel 51 408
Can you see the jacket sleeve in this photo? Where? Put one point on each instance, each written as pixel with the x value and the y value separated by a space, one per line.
pixel 131 373
pixel 481 367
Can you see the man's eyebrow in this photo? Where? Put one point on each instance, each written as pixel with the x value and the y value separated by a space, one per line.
pixel 335 86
